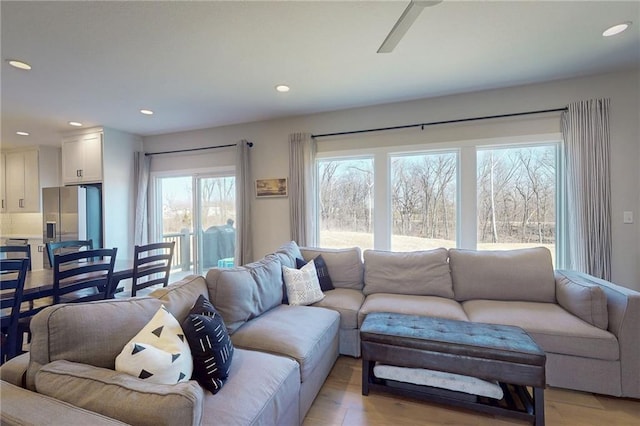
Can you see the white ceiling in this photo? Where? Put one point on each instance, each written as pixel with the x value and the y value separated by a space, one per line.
pixel 206 64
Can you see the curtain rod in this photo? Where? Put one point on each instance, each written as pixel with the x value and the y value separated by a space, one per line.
pixel 250 144
pixel 433 123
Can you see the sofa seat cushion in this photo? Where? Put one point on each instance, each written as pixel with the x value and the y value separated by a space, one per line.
pixel 23 407
pixel 347 302
pixel 260 389
pixel 523 274
pixel 344 265
pixel 421 273
pixel 121 396
pixel 553 328
pixel 303 333
pixel 432 306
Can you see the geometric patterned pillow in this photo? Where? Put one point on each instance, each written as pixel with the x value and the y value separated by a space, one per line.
pixel 302 284
pixel 210 344
pixel 321 269
pixel 159 352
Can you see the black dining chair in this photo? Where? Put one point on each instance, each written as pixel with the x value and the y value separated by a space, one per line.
pixel 14 272
pixel 16 252
pixel 151 266
pixel 64 247
pixel 83 276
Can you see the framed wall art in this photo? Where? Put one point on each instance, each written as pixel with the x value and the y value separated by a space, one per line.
pixel 276 187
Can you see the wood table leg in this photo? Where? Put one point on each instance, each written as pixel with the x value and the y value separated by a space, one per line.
pixel 538 401
pixel 366 369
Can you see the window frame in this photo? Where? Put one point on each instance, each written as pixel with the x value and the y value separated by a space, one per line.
pixel 466 181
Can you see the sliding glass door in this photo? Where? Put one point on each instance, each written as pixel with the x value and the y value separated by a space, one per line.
pixel 198 212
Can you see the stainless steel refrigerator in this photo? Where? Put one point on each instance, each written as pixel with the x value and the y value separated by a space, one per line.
pixel 71 213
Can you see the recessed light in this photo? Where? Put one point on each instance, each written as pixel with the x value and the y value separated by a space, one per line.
pixel 75 124
pixel 19 64
pixel 21 133
pixel 282 88
pixel 616 29
pixel 146 111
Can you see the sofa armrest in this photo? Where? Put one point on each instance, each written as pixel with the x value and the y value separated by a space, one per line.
pixel 23 407
pixel 623 306
pixel 14 371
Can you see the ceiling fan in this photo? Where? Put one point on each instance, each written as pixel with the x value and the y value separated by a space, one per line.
pixel 405 21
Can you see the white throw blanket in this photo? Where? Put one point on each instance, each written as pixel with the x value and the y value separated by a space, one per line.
pixel 439 379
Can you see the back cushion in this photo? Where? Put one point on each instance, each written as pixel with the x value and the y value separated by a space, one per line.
pixel 88 333
pixel 424 273
pixel 180 296
pixel 344 265
pixel 243 293
pixel 524 274
pixel 288 253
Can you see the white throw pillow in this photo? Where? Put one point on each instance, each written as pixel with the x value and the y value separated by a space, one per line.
pixel 303 287
pixel 159 353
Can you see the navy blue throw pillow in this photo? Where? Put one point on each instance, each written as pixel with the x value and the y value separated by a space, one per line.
pixel 211 347
pixel 321 269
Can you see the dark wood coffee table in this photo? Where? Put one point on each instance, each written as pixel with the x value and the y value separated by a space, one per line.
pixel 499 353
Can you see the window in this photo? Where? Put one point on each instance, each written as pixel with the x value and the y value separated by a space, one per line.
pixel 423 201
pixel 516 202
pixel 490 194
pixel 345 202
pixel 198 212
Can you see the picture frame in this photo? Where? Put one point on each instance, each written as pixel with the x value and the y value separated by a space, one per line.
pixel 271 188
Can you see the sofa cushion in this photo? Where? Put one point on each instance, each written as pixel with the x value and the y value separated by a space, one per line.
pixel 121 396
pixel 347 302
pixel 210 344
pixel 261 390
pixel 524 274
pixel 424 273
pixel 159 353
pixel 288 253
pixel 89 333
pixel 303 333
pixel 553 328
pixel 23 407
pixel 434 306
pixel 246 292
pixel 585 300
pixel 344 265
pixel 178 297
pixel 321 270
pixel 302 285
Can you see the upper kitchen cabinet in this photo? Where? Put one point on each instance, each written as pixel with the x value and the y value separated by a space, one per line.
pixel 3 168
pixel 26 173
pixel 82 158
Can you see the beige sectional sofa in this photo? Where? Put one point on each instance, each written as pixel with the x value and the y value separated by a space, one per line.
pixel 589 328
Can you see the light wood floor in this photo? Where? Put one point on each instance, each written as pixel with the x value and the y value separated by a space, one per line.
pixel 340 402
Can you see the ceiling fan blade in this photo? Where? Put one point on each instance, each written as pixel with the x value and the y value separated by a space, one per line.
pixel 403 24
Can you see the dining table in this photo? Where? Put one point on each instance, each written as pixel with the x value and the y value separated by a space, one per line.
pixel 39 283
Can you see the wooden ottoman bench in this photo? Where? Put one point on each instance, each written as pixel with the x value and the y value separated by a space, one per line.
pixel 499 353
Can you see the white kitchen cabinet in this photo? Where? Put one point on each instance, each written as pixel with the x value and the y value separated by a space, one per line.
pixel 3 170
pixel 82 158
pixel 26 173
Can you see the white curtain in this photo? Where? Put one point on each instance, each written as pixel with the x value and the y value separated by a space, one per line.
pixel 142 165
pixel 585 126
pixel 302 188
pixel 244 195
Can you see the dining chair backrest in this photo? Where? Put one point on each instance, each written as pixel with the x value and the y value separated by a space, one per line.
pixel 14 272
pixel 64 247
pixel 17 252
pixel 151 265
pixel 87 274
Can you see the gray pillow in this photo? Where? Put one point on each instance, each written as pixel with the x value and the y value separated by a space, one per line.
pixel 585 300
pixel 423 273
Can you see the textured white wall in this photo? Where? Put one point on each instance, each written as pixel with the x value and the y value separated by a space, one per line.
pixel 270 155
